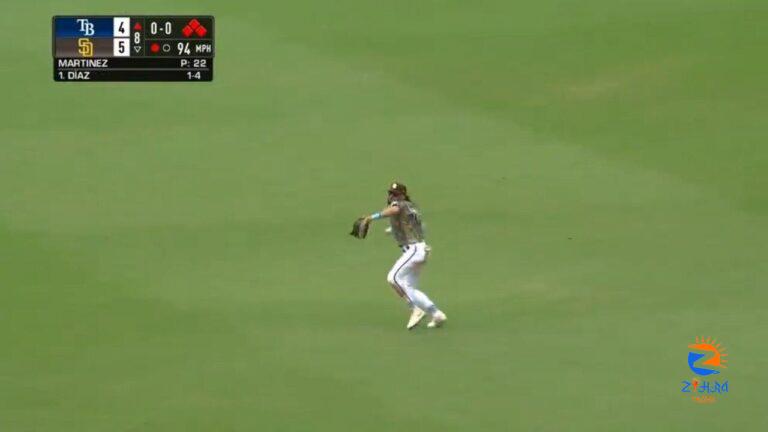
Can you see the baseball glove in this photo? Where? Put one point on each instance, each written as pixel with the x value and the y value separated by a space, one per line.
pixel 359 228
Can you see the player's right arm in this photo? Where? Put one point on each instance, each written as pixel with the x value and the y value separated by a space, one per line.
pixel 391 210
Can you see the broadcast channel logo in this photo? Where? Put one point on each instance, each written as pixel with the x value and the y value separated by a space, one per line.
pixel 706 357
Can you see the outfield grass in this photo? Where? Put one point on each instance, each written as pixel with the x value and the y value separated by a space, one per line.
pixel 174 257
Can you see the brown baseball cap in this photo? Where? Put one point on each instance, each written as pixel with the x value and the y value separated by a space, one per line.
pixel 398 187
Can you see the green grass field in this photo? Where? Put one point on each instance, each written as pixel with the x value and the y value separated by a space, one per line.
pixel 175 257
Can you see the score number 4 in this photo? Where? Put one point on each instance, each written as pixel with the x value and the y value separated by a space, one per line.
pixel 121 44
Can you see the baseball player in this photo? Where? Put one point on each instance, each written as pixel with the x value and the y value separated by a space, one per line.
pixel 406 228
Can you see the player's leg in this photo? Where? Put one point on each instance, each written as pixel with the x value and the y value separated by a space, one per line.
pixel 416 313
pixel 391 280
pixel 407 278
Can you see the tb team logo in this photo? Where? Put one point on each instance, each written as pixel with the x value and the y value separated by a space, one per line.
pixel 87 28
pixel 706 357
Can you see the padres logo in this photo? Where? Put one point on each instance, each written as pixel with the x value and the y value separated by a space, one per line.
pixel 85 47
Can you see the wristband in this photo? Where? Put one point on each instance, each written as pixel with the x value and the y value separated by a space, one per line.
pixel 376 216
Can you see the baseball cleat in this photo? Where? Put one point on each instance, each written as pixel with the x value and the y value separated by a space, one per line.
pixel 416 316
pixel 437 320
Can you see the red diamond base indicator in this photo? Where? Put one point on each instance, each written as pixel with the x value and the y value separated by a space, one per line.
pixel 194 26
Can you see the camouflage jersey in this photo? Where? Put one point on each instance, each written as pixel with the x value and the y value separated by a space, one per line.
pixel 406 225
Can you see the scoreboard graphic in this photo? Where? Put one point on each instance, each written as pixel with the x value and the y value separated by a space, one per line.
pixel 133 48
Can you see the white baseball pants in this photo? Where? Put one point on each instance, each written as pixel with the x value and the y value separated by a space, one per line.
pixel 404 276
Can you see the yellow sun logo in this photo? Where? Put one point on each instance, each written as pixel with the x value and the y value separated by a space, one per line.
pixel 717 359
